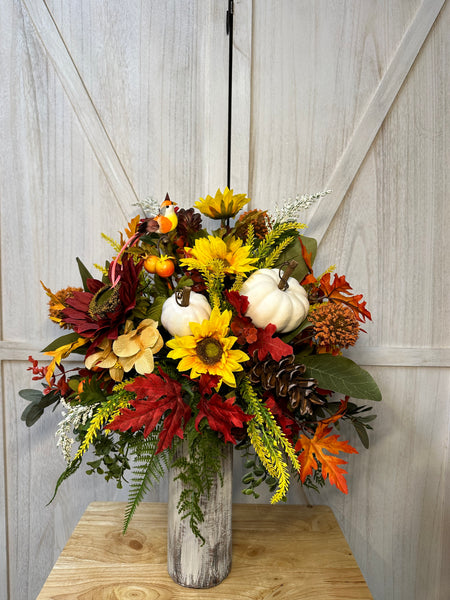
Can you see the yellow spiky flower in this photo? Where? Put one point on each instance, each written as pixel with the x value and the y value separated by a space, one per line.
pixel 223 205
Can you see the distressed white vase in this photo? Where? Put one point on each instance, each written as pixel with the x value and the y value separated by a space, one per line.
pixel 189 562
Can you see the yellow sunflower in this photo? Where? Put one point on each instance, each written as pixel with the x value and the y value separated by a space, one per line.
pixel 232 254
pixel 208 349
pixel 223 205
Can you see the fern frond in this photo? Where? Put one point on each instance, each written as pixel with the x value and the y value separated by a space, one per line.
pixel 198 473
pixel 149 468
pixel 70 470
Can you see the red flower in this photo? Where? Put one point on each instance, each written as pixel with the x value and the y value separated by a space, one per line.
pixel 241 326
pixel 99 312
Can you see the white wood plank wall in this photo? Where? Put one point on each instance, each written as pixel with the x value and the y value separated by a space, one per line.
pixel 106 102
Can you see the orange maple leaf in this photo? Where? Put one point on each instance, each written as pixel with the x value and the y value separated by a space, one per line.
pixel 339 290
pixel 313 450
pixel 132 226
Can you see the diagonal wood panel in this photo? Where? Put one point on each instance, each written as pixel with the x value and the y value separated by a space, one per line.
pixel 82 103
pixel 373 117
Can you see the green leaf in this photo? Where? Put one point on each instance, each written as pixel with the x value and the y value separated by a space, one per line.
pixel 362 433
pixel 31 395
pixel 105 278
pixel 85 275
pixel 294 251
pixel 31 414
pixel 160 284
pixel 92 392
pixel 184 282
pixel 367 419
pixel 39 402
pixel 156 309
pixel 50 398
pixel 340 374
pixel 69 338
pixel 292 334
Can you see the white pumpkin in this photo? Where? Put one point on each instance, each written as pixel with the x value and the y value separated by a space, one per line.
pixel 176 318
pixel 285 309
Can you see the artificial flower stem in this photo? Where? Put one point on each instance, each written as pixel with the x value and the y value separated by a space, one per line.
pixel 129 242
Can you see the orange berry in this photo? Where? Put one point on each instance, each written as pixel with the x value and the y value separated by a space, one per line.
pixel 150 263
pixel 165 267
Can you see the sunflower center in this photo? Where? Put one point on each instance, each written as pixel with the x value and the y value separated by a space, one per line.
pixel 209 350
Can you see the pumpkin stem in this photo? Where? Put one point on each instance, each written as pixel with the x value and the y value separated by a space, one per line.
pixel 182 296
pixel 290 268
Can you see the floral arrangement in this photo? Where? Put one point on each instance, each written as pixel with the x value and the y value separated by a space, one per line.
pixel 227 337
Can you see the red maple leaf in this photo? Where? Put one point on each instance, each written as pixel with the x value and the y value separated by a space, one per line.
pixel 314 448
pixel 241 326
pixel 244 330
pixel 267 344
pixel 339 290
pixel 207 383
pixel 222 414
pixel 238 302
pixel 154 396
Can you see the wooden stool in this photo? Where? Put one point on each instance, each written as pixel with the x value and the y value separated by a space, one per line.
pixel 287 552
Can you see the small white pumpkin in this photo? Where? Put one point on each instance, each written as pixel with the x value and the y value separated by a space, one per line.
pixel 183 308
pixel 284 308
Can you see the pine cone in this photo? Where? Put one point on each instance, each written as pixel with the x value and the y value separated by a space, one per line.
pixel 285 379
pixel 188 222
pixel 257 218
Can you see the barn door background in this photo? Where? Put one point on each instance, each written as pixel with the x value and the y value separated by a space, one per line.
pixel 103 103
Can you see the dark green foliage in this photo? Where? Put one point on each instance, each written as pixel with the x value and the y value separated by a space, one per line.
pixel 198 473
pixel 92 393
pixel 148 469
pixel 342 375
pixel 358 417
pixel 294 251
pixel 255 471
pixel 156 309
pixel 38 403
pixel 68 338
pixel 315 480
pixel 112 453
pixel 84 273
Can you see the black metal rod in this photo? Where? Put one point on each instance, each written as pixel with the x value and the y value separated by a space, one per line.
pixel 230 13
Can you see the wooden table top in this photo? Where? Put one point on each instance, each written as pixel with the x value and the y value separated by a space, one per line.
pixel 287 552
